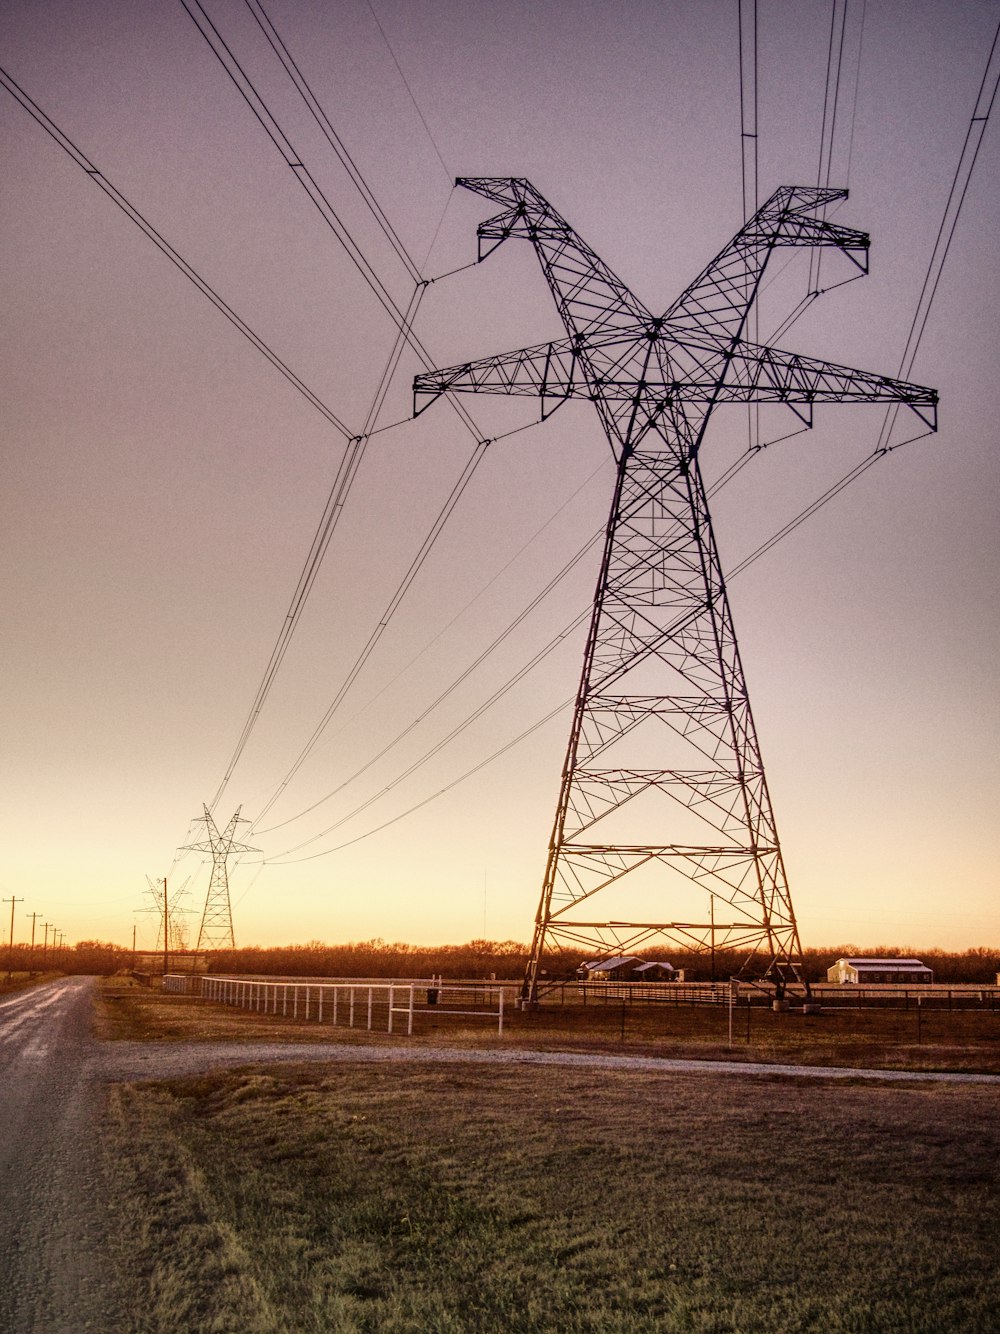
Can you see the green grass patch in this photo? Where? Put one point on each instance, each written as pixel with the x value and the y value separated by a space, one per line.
pixel 505 1199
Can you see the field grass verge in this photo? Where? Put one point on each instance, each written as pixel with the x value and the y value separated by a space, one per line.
pixel 515 1200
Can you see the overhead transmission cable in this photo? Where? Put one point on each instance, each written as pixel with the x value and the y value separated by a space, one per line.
pixel 352 457
pixel 332 510
pixel 828 126
pixel 985 101
pixel 250 94
pixel 303 175
pixel 449 690
pixel 351 460
pixel 406 85
pixel 294 72
pixel 832 112
pixel 401 815
pixel 456 731
pixel 981 112
pixel 749 162
pixel 147 228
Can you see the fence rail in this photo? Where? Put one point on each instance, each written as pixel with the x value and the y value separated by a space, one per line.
pixel 490 998
pixel 350 1004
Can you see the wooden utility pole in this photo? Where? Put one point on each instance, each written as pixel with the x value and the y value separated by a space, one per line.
pixel 10 948
pixel 166 930
pixel 34 917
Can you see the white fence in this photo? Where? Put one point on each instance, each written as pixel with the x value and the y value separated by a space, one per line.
pixel 354 1004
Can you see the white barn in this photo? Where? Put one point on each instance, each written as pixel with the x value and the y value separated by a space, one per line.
pixel 908 971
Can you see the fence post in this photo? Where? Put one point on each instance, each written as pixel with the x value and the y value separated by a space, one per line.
pixel 409 1025
pixel 369 1008
pixel 319 1017
pixel 351 1009
pixel 336 997
pixel 500 1020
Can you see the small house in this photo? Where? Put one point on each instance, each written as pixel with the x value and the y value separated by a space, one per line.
pixel 654 971
pixel 617 969
pixel 908 972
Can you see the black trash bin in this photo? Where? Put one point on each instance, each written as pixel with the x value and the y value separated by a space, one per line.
pixel 432 995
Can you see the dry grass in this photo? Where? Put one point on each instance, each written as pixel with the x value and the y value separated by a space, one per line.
pixel 16 981
pixel 514 1200
pixel 959 1040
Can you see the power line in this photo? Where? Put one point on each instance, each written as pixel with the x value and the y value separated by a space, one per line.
pixel 469 773
pixel 383 622
pixel 464 676
pixel 303 175
pixel 262 114
pixel 294 72
pixel 460 613
pixel 335 502
pixel 981 112
pixel 147 228
pixel 406 85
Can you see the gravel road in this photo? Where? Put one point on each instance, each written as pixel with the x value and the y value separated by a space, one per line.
pixel 54 1274
pixel 148 1060
pixel 51 1244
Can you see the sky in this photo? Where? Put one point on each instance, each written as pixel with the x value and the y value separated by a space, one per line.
pixel 163 482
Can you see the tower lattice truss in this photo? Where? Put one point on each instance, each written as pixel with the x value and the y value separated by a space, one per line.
pixel 664 832
pixel 216 930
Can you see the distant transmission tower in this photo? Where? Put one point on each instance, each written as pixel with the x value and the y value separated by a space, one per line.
pixel 664 810
pixel 171 935
pixel 216 930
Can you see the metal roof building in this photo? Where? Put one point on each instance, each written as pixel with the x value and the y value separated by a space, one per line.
pixel 880 970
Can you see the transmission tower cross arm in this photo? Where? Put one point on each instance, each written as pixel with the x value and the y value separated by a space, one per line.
pixel 688 368
pixel 550 369
pixel 587 293
pixel 719 299
pixel 767 375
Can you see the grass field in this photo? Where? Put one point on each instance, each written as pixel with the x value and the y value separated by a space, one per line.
pixel 505 1199
pixel 958 1040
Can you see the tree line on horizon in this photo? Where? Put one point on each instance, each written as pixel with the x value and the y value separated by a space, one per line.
pixel 480 959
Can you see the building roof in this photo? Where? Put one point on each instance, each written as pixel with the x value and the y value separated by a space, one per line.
pixel 654 963
pixel 885 963
pixel 605 965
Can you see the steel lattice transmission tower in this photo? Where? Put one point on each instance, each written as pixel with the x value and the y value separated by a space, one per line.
pixel 664 809
pixel 170 935
pixel 216 930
